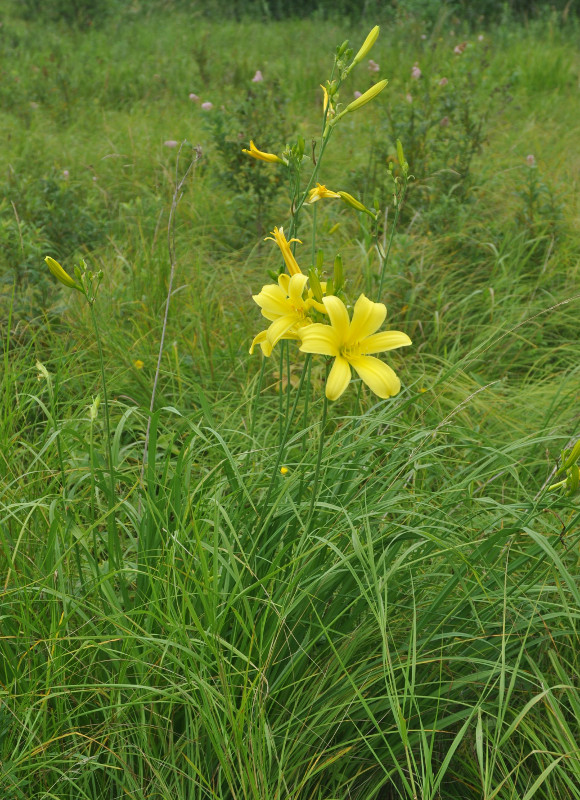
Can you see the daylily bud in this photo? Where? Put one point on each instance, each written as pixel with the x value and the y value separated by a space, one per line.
pixel 315 285
pixel 94 408
pixel 60 274
pixel 401 157
pixel 356 204
pixel 365 98
pixel 367 45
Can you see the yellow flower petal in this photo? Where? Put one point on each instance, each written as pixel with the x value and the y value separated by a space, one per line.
pixel 377 375
pixel 280 327
pixel 319 192
pixel 338 378
pixel 367 318
pixel 338 316
pixel 263 342
pixel 272 299
pixel 387 340
pixel 296 287
pixel 259 154
pixel 321 339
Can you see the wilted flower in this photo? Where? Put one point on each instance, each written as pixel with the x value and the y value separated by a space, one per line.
pixel 319 192
pixel 259 154
pixel 258 77
pixel 443 82
pixel 409 97
pixel 415 71
pixel 458 49
pixel 444 122
pixel 33 105
pixel 170 143
pixel 531 160
pixel 373 66
pixel 357 94
pixel 207 106
pixel 193 97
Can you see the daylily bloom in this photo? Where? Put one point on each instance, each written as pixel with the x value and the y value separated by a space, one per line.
pixel 319 192
pixel 255 153
pixel 351 343
pixel 284 245
pixel 286 308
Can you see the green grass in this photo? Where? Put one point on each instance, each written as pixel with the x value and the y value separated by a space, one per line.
pixel 200 634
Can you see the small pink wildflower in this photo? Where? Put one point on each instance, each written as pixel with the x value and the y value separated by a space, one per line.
pixel 258 77
pixel 481 37
pixel 423 36
pixel 170 143
pixel 193 97
pixel 357 94
pixel 415 71
pixel 531 160
pixel 409 98
pixel 443 82
pixel 207 106
pixel 373 66
pixel 65 174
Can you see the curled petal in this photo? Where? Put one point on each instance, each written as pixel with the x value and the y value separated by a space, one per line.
pixel 387 340
pixel 262 340
pixel 377 375
pixel 280 327
pixel 338 378
pixel 321 339
pixel 284 282
pixel 296 287
pixel 272 300
pixel 338 316
pixel 367 318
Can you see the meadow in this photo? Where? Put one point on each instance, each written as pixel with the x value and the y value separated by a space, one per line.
pixel 214 582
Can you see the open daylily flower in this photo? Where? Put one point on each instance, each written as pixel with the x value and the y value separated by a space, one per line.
pixel 284 245
pixel 319 192
pixel 352 343
pixel 255 153
pixel 286 308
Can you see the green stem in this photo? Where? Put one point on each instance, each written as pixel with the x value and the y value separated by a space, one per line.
pixel 318 461
pixel 289 420
pixel 114 545
pixel 391 237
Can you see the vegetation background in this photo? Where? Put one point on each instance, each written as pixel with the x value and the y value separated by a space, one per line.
pixel 191 633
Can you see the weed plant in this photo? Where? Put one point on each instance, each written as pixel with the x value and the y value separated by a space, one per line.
pixel 392 615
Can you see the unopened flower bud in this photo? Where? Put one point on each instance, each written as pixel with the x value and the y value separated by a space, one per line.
pixel 367 45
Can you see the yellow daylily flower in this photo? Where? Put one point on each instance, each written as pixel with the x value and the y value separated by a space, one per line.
pixel 285 307
pixel 319 192
pixel 60 274
pixel 351 343
pixel 284 245
pixel 255 153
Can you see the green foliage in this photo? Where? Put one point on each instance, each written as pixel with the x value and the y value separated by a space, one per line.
pixel 258 114
pixel 51 215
